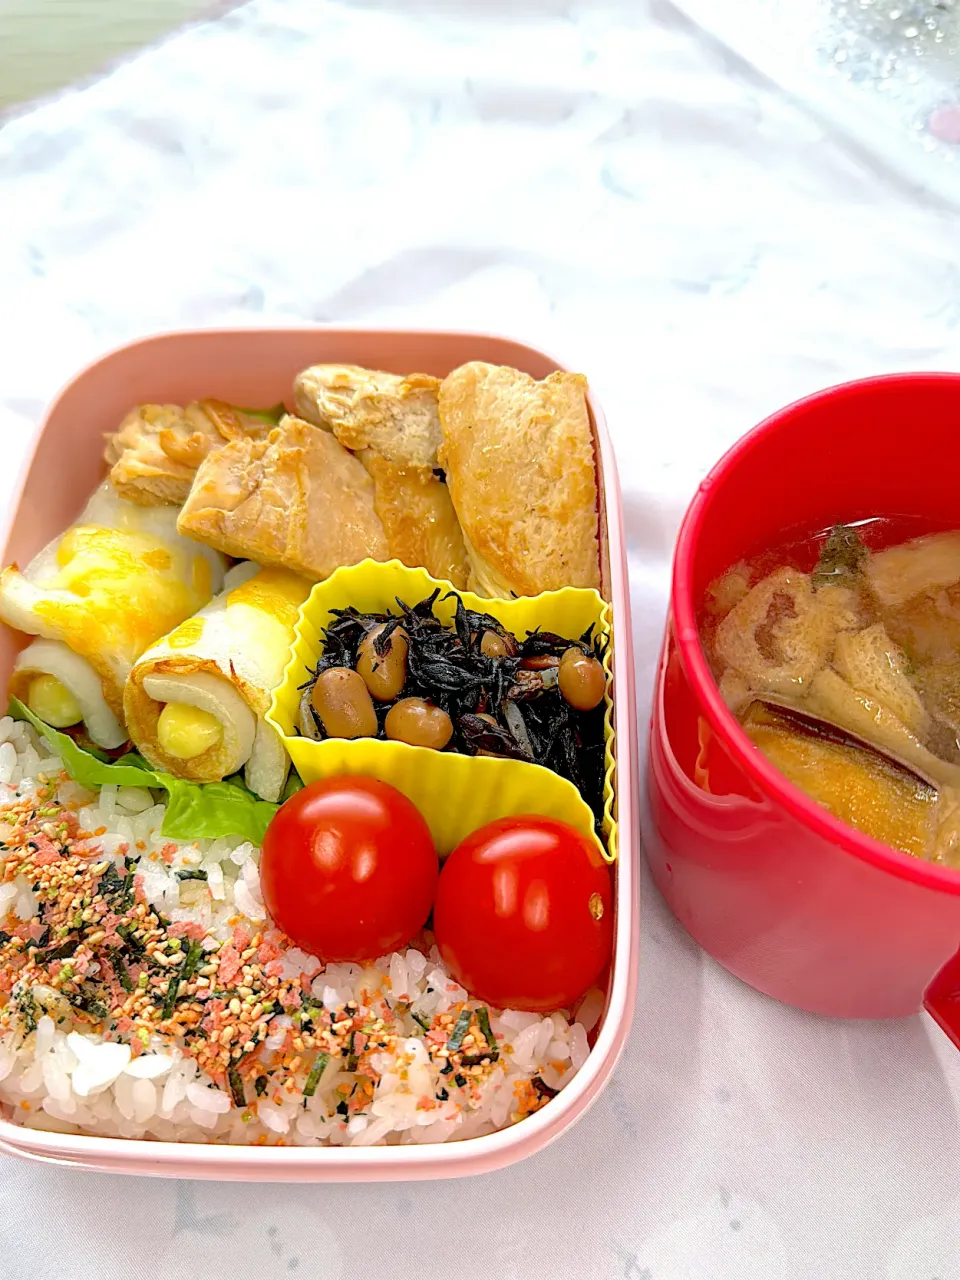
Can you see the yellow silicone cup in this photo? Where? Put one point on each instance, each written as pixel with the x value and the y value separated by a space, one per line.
pixel 455 793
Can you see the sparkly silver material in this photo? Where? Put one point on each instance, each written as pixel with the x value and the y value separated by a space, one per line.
pixel 887 71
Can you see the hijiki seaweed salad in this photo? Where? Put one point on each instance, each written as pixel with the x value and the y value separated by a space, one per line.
pixel 472 688
pixel 194 945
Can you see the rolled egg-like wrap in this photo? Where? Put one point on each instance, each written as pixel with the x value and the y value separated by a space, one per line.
pixel 196 702
pixel 97 596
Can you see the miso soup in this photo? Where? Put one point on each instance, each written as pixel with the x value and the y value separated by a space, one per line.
pixel 840 656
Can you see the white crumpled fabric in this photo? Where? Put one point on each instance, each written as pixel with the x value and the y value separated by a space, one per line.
pixel 598 178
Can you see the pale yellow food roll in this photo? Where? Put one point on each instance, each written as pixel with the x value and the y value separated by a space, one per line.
pixel 96 597
pixel 196 702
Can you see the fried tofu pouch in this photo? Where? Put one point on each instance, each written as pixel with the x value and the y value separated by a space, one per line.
pixel 154 454
pixel 396 416
pixel 393 425
pixel 418 518
pixel 301 501
pixel 296 500
pixel 196 701
pixel 520 466
pixel 97 597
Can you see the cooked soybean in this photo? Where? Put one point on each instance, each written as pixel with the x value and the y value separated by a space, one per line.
pixel 384 673
pixel 582 679
pixel 419 723
pixel 342 700
pixel 493 645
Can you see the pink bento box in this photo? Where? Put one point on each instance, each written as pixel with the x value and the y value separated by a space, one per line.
pixel 254 366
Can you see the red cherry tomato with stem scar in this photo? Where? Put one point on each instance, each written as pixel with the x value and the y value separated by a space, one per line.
pixel 348 868
pixel 524 914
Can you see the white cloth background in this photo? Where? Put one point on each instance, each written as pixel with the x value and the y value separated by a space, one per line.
pixel 596 177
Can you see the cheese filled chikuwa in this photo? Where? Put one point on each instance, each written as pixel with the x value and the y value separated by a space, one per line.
pixel 196 701
pixel 96 597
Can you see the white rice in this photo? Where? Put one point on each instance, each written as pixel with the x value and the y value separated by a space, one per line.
pixel 64 1077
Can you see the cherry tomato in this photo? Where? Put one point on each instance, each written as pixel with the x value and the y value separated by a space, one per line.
pixel 524 914
pixel 348 868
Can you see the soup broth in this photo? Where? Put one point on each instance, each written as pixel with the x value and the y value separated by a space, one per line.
pixel 840 656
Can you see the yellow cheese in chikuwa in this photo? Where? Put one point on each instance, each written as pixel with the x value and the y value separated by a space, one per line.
pixel 96 598
pixel 196 701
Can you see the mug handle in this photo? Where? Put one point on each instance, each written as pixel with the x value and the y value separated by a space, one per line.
pixel 942 999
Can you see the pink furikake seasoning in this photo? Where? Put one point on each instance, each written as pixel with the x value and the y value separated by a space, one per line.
pixel 98 956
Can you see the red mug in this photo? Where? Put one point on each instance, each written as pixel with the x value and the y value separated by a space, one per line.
pixel 787 897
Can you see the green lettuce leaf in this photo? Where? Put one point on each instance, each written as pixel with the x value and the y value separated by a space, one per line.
pixel 132 758
pixel 273 414
pixel 209 810
pixel 83 767
pixel 195 811
pixel 294 784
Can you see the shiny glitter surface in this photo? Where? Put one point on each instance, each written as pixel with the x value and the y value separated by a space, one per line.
pixel 908 51
pixel 887 71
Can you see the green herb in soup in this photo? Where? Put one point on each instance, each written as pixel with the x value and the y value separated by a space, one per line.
pixel 841 556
